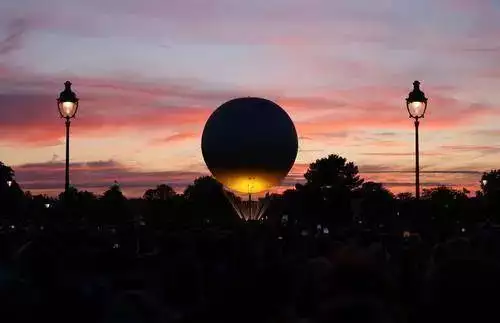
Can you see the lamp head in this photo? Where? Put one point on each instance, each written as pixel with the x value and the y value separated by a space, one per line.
pixel 416 102
pixel 67 102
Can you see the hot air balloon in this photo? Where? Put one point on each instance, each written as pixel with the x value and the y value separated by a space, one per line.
pixel 249 145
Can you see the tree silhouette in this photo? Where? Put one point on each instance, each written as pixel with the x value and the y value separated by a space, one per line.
pixel 330 183
pixel 404 196
pixel 6 179
pixel 6 174
pixel 202 188
pixel 490 188
pixel 113 194
pixel 86 204
pixel 377 204
pixel 163 206
pixel 447 207
pixel 70 196
pixel 11 195
pixel 161 192
pixel 114 208
pixel 444 195
pixel 490 183
pixel 207 201
pixel 333 172
pixel 86 197
pixel 79 199
pixel 407 210
pixel 294 206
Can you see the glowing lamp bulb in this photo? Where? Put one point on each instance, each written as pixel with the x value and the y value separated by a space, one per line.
pixel 417 108
pixel 68 109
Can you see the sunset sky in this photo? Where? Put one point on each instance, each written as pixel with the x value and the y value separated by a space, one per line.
pixel 149 73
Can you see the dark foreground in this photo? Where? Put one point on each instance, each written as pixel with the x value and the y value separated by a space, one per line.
pixel 247 274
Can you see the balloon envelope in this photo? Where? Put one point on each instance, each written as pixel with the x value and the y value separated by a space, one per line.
pixel 249 144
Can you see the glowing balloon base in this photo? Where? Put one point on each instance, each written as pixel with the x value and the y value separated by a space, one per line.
pixel 249 210
pixel 249 145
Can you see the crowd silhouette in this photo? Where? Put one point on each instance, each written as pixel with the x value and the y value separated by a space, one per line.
pixel 334 249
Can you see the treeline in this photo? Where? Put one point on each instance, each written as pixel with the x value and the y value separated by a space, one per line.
pixel 333 196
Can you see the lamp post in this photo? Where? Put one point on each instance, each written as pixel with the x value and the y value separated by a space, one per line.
pixel 67 104
pixel 416 104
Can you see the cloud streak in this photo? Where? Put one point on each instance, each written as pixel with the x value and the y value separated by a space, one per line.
pixel 14 34
pixel 111 106
pixel 97 176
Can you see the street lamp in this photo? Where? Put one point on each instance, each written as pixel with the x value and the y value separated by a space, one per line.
pixel 9 183
pixel 67 104
pixel 416 103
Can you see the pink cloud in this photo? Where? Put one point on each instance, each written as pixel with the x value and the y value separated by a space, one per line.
pixel 379 112
pixel 110 107
pixel 12 41
pixel 97 176
pixel 181 136
pixel 29 114
pixel 47 129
